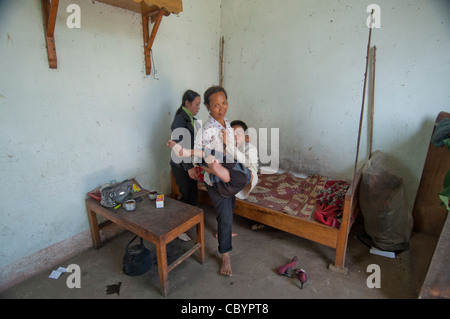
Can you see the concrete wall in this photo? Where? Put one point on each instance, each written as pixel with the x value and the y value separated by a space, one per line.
pixel 94 119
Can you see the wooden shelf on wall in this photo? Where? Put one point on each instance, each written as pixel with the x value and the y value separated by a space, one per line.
pixel 152 12
pixel 147 6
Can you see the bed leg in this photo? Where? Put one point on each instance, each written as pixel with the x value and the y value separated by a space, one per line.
pixel 341 247
pixel 339 261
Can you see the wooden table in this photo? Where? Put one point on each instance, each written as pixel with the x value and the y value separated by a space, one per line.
pixel 156 225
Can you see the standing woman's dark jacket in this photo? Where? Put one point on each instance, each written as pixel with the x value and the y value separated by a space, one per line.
pixel 187 185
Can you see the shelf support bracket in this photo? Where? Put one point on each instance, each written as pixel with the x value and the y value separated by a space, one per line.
pixel 49 12
pixel 156 18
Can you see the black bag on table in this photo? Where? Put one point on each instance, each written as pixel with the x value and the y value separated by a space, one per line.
pixel 111 196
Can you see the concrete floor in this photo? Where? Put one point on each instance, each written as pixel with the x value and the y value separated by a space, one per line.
pixel 255 256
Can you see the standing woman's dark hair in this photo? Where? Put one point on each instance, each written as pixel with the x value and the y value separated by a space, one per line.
pixel 188 96
pixel 184 172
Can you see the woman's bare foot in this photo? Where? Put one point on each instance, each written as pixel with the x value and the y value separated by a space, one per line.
pixel 217 169
pixel 226 265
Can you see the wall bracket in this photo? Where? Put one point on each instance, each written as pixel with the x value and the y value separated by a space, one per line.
pixel 156 18
pixel 49 12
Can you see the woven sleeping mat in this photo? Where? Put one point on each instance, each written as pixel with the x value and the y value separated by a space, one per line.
pixel 286 193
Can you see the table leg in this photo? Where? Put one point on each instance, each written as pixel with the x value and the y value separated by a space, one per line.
pixel 95 232
pixel 161 255
pixel 201 240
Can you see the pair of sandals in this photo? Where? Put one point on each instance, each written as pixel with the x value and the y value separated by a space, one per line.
pixel 300 273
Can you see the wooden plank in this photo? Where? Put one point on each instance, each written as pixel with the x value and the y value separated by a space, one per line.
pixel 161 256
pixel 52 18
pixel 145 31
pixel 221 62
pixel 185 256
pixel 437 281
pixel 174 233
pixel 49 13
pixel 308 229
pixel 146 6
pixel 95 231
pixel 201 239
pixel 350 210
pixel 148 41
pixel 428 214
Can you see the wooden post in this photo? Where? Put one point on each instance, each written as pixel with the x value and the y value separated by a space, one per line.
pixel 372 100
pixel 221 63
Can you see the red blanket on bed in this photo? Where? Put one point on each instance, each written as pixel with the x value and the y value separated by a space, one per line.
pixel 293 195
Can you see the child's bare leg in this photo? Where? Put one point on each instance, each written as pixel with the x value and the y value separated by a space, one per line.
pixel 182 152
pixel 226 265
pixel 177 149
pixel 217 169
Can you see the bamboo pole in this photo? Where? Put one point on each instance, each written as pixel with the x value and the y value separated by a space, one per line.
pixel 221 63
pixel 363 98
pixel 372 100
pixel 354 186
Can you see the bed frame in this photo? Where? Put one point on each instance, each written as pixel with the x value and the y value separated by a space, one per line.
pixel 310 229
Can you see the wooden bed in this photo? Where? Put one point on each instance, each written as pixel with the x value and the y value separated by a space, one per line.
pixel 303 227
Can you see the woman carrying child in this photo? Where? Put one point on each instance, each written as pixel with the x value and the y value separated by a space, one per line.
pixel 215 99
pixel 228 171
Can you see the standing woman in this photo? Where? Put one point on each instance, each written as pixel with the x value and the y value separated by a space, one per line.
pixel 215 99
pixel 184 172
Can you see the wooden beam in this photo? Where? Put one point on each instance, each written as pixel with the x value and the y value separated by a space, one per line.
pixel 49 12
pixel 150 38
pixel 221 62
pixel 428 214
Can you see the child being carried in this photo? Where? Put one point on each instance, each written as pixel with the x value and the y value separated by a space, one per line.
pixel 227 175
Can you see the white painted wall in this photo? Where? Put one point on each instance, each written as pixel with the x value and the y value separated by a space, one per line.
pixel 299 65
pixel 96 118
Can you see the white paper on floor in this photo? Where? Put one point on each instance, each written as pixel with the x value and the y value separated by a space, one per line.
pixel 56 273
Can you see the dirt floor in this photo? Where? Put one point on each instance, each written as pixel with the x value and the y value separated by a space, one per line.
pixel 256 255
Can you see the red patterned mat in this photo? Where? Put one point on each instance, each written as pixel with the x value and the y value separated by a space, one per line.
pixel 303 203
pixel 286 193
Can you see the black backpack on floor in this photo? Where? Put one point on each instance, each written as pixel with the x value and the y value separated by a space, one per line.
pixel 137 259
